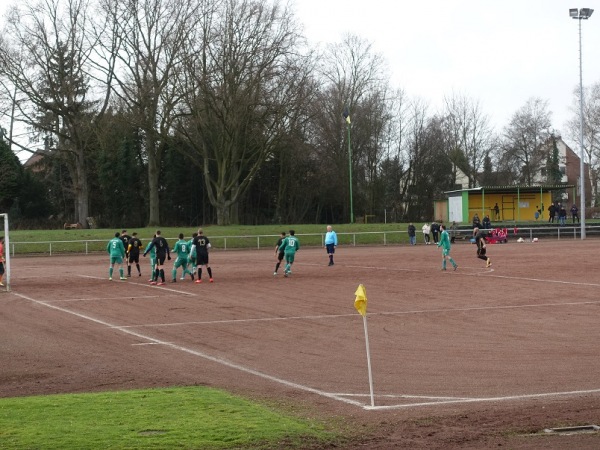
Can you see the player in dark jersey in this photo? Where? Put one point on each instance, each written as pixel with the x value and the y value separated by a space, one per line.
pixel 481 246
pixel 133 252
pixel 278 253
pixel 125 239
pixel 162 251
pixel 202 244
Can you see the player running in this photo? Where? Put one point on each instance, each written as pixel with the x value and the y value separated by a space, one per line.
pixel 445 244
pixel 481 246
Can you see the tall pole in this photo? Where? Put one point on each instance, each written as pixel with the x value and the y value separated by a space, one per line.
pixel 350 173
pixel 582 154
pixel 580 14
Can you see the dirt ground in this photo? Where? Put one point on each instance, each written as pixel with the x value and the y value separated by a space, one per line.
pixel 468 359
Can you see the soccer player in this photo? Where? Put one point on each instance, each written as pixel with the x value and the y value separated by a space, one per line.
pixel 192 254
pixel 162 251
pixel 290 246
pixel 1 260
pixel 201 247
pixel 116 250
pixel 152 251
pixel 133 252
pixel 279 254
pixel 182 250
pixel 331 243
pixel 481 246
pixel 445 244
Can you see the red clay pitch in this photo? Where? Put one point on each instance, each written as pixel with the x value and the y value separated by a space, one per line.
pixel 476 358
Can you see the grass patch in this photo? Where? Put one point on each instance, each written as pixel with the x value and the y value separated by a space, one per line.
pixel 172 418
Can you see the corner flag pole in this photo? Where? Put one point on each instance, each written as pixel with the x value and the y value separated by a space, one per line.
pixel 360 303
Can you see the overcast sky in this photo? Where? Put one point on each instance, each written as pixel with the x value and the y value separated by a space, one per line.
pixel 499 52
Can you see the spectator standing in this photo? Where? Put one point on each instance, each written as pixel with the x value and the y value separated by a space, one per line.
pixel 446 246
pixel 575 213
pixel 162 252
pixel 562 215
pixel 202 246
pixel 426 230
pixel 453 231
pixel 279 253
pixel 435 231
pixel 116 251
pixel 551 212
pixel 412 234
pixel 331 243
pixel 496 212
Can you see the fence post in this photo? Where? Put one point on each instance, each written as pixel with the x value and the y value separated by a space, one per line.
pixel 50 248
pixel 258 242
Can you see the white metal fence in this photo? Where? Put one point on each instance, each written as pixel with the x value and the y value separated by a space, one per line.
pixel 363 238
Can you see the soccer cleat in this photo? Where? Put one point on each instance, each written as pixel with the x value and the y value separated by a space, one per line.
pixel 274 274
pixel 182 278
pixel 210 280
pixel 162 283
pixel 455 267
pixel 109 278
pixel 153 282
pixel 330 264
pixel 198 281
pixel 443 268
pixel 192 275
pixel 173 280
pixel 488 263
pixel 1 284
pixel 285 274
pixel 140 274
pixel 123 278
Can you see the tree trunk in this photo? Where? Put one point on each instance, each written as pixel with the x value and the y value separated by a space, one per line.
pixel 153 199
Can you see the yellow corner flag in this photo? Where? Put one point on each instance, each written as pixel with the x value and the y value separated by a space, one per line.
pixel 361 300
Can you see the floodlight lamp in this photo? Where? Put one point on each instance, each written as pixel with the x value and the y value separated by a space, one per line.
pixel 585 13
pixel 574 13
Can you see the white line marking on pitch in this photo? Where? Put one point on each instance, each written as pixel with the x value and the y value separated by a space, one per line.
pixel 197 353
pixel 101 298
pixel 152 286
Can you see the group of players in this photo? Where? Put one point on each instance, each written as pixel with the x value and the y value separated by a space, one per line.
pixel 191 256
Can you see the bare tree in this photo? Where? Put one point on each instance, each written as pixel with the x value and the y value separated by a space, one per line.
pixel 528 129
pixel 150 36
pixel 591 132
pixel 243 84
pixel 469 135
pixel 47 59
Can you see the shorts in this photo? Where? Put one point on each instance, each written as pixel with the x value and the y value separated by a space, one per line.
pixel 116 260
pixel 180 262
pixel 134 258
pixel 160 259
pixel 445 252
pixel 201 259
pixel 1 268
pixel 330 248
pixel 481 251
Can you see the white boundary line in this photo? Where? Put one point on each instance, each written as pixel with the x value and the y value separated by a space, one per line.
pixel 151 286
pixel 334 396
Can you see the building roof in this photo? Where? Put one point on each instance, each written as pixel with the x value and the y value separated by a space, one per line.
pixel 501 189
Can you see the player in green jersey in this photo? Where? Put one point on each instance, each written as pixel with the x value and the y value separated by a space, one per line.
pixel 116 250
pixel 182 250
pixel 290 246
pixel 152 259
pixel 446 245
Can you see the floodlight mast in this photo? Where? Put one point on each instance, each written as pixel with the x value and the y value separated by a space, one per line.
pixel 581 14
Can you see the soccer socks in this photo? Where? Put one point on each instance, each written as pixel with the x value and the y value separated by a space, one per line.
pixel 156 274
pixel 162 275
pixel 128 271
pixel 174 273
pixel 330 259
pixel 121 272
pixel 209 270
pixel 444 264
pixel 277 266
pixel 137 266
pixel 199 273
pixel 110 272
pixel 453 263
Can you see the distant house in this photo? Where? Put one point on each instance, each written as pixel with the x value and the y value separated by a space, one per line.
pixel 519 202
